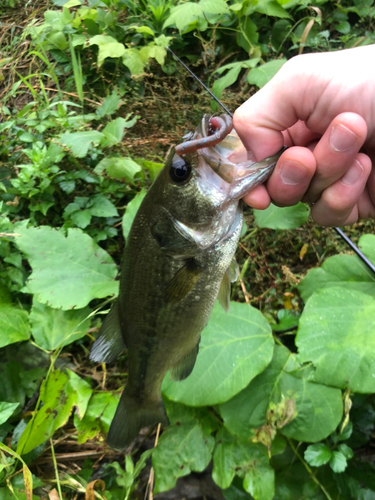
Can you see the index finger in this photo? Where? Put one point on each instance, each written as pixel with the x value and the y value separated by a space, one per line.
pixel 277 106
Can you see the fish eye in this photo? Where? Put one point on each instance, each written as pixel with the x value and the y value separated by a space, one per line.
pixel 180 170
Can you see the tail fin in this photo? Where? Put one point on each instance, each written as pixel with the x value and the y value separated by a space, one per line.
pixel 130 417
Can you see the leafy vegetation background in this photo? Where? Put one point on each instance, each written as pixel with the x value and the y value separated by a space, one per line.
pixel 280 404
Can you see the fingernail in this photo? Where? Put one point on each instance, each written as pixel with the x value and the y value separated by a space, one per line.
pixel 353 174
pixel 292 173
pixel 342 139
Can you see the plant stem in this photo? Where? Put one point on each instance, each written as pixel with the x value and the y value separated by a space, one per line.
pixel 312 475
pixel 56 469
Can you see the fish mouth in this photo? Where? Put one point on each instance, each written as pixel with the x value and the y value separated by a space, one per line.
pixel 228 158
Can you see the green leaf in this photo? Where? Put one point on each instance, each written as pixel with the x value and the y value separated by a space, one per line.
pixel 367 245
pixel 282 218
pixel 182 15
pixel 301 409
pixel 181 449
pixel 79 142
pixel 108 47
pixel 234 348
pixel 153 168
pixel 287 319
pixel 110 105
pixel 130 212
pixel 346 451
pixel 336 334
pixel 338 462
pixel 346 271
pixel 98 416
pixel 269 8
pixel 225 81
pixel 69 271
pixel 247 460
pixel 214 6
pixel 14 325
pixel 59 393
pixel 118 167
pixel 114 132
pixel 6 410
pixel 263 74
pixel 133 60
pixel 53 328
pixel 317 454
pixel 100 206
pixel 81 218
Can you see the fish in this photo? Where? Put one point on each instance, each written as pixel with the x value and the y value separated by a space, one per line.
pixel 178 260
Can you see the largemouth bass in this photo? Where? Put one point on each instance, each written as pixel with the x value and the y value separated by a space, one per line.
pixel 178 260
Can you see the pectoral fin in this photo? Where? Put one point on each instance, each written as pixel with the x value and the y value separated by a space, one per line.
pixel 230 276
pixel 186 365
pixel 183 281
pixel 109 345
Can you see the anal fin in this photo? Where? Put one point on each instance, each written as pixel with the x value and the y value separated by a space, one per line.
pixel 109 344
pixel 185 366
pixel 183 281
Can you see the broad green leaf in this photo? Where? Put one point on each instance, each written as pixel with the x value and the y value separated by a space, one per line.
pixel 263 74
pixel 14 325
pixel 108 47
pixel 53 328
pixel 119 167
pixel 69 271
pixel 153 168
pixel 100 206
pixel 132 60
pixel 288 318
pixel 282 218
pixel 59 393
pixel 234 348
pixel 130 212
pixel 179 413
pixel 181 449
pixel 338 462
pixel 214 6
pixel 336 334
pixel 367 245
pixel 346 271
pixel 6 410
pixel 182 15
pixel 110 105
pixel 301 409
pixel 225 81
pixel 247 460
pixel 317 454
pixel 98 416
pixel 81 218
pixel 79 142
pixel 154 51
pixel 267 7
pixel 113 132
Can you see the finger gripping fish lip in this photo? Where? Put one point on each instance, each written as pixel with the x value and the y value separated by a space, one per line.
pixel 220 126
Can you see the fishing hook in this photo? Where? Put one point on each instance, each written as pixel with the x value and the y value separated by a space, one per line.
pixel 346 238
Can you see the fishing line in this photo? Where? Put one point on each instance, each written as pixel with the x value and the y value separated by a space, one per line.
pixel 346 238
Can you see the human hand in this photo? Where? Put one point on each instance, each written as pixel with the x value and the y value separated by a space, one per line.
pixel 322 106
